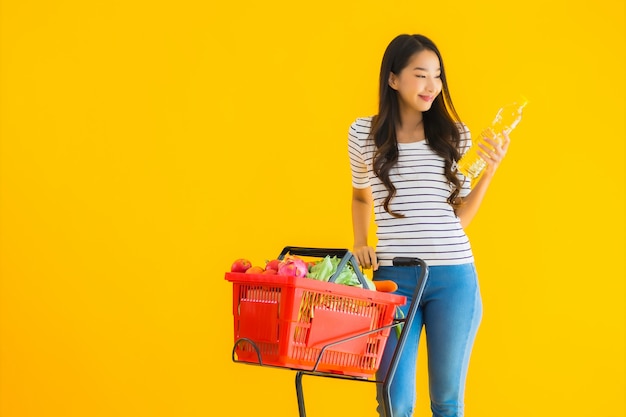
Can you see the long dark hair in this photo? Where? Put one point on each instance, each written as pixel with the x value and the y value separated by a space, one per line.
pixel 441 121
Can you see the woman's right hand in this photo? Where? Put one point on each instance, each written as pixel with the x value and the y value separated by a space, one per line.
pixel 366 256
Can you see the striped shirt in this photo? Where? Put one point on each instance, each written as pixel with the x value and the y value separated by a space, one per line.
pixel 430 229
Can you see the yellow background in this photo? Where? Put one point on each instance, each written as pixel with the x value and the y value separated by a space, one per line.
pixel 147 144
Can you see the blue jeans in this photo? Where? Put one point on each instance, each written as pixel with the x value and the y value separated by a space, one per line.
pixel 450 312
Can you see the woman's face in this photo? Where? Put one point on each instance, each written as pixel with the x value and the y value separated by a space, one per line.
pixel 419 83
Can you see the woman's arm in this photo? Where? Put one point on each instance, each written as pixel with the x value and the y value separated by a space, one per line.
pixel 470 204
pixel 362 202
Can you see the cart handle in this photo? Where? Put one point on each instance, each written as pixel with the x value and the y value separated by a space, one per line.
pixel 251 343
pixel 313 252
pixel 344 254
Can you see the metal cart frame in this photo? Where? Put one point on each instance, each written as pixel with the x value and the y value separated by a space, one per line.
pixel 404 323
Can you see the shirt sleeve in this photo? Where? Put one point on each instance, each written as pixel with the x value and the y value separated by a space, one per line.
pixel 358 166
pixel 464 145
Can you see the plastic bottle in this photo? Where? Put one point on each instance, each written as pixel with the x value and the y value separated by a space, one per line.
pixel 471 164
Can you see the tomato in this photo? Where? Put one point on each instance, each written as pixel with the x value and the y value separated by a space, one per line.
pixel 273 264
pixel 240 265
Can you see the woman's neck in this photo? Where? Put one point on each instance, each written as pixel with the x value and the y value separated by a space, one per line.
pixel 411 128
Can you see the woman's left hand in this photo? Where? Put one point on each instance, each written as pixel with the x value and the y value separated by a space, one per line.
pixel 494 153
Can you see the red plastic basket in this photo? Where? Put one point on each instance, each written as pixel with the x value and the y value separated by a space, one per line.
pixel 290 320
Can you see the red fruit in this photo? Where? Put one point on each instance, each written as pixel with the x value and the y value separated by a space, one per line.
pixel 240 265
pixel 270 272
pixel 255 270
pixel 273 265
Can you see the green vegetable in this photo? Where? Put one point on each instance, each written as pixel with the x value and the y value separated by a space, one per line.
pixel 348 277
pixel 369 283
pixel 399 315
pixel 325 269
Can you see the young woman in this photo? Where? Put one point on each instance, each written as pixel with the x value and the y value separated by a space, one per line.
pixel 403 169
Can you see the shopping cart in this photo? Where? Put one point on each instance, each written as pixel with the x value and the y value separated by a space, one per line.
pixel 320 328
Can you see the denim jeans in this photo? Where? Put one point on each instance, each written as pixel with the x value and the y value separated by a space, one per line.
pixel 450 312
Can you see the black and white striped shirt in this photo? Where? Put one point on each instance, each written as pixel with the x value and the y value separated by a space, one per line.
pixel 430 230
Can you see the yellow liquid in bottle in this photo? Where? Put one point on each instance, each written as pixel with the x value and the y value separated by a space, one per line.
pixel 471 164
